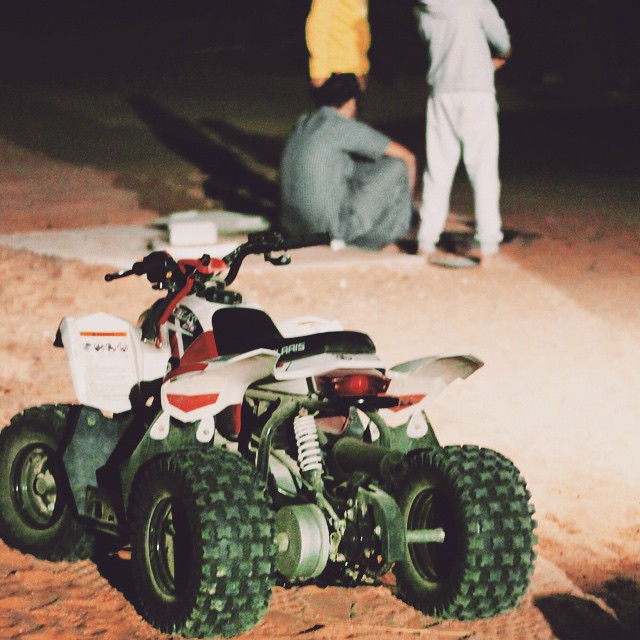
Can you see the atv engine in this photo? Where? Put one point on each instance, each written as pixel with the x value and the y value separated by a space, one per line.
pixel 360 542
pixel 303 540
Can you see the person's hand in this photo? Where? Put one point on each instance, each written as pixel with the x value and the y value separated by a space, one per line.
pixel 362 81
pixel 396 150
pixel 318 82
pixel 498 61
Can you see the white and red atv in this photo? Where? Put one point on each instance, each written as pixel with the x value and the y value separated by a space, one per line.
pixel 229 453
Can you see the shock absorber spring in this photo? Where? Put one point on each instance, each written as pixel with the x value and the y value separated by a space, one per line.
pixel 309 453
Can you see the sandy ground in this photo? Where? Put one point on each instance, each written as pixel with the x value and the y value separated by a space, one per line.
pixel 555 319
pixel 143 122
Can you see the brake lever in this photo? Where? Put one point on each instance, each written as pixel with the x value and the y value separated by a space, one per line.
pixel 109 277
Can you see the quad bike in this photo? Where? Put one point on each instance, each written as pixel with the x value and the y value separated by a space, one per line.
pixel 229 454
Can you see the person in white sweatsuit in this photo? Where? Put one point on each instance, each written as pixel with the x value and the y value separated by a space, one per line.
pixel 467 41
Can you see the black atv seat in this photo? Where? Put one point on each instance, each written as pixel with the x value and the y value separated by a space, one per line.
pixel 237 330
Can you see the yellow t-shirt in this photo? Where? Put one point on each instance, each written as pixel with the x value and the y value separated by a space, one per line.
pixel 338 37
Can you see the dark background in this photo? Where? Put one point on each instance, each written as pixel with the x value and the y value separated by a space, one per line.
pixel 591 44
pixel 155 89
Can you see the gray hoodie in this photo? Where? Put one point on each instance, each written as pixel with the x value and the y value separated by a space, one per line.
pixel 462 36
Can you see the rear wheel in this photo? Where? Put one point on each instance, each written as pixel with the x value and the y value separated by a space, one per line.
pixel 203 550
pixel 480 501
pixel 37 514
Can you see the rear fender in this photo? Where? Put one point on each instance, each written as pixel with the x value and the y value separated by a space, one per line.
pixel 419 382
pixel 220 383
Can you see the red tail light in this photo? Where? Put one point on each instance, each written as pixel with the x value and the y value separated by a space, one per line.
pixel 352 383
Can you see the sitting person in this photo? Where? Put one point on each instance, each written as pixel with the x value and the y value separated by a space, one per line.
pixel 340 176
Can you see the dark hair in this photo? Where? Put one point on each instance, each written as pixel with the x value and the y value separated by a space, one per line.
pixel 337 90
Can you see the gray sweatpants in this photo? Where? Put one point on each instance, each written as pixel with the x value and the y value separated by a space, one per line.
pixel 461 124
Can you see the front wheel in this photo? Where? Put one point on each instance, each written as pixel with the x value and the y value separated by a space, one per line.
pixel 37 515
pixel 479 500
pixel 203 549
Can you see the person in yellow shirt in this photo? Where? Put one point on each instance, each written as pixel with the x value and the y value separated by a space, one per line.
pixel 338 39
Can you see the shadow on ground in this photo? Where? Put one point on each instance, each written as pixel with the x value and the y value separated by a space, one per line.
pixel 570 617
pixel 118 573
pixel 573 618
pixel 231 174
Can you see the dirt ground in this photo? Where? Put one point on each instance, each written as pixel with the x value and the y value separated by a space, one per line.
pixel 122 122
pixel 555 319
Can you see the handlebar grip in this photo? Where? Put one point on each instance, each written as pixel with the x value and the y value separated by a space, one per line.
pixel 308 240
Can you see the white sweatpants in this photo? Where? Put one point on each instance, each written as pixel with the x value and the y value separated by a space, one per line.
pixel 461 124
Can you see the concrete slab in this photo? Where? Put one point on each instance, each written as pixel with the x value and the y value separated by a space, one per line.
pixel 117 246
pixel 120 246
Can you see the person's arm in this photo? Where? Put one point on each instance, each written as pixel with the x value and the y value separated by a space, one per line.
pixel 355 137
pixel 423 21
pixel 495 30
pixel 396 150
pixel 318 32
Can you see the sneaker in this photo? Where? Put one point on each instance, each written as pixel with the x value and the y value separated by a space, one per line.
pixel 441 258
pixel 490 259
pixel 479 249
pixel 483 251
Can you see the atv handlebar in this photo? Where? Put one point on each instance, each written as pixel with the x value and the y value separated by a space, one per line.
pixel 203 275
pixel 266 244
pixel 165 273
pixel 311 240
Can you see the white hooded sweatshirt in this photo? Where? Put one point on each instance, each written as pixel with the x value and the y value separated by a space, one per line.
pixel 462 36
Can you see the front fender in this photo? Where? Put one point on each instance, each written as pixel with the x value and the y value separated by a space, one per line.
pixel 108 360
